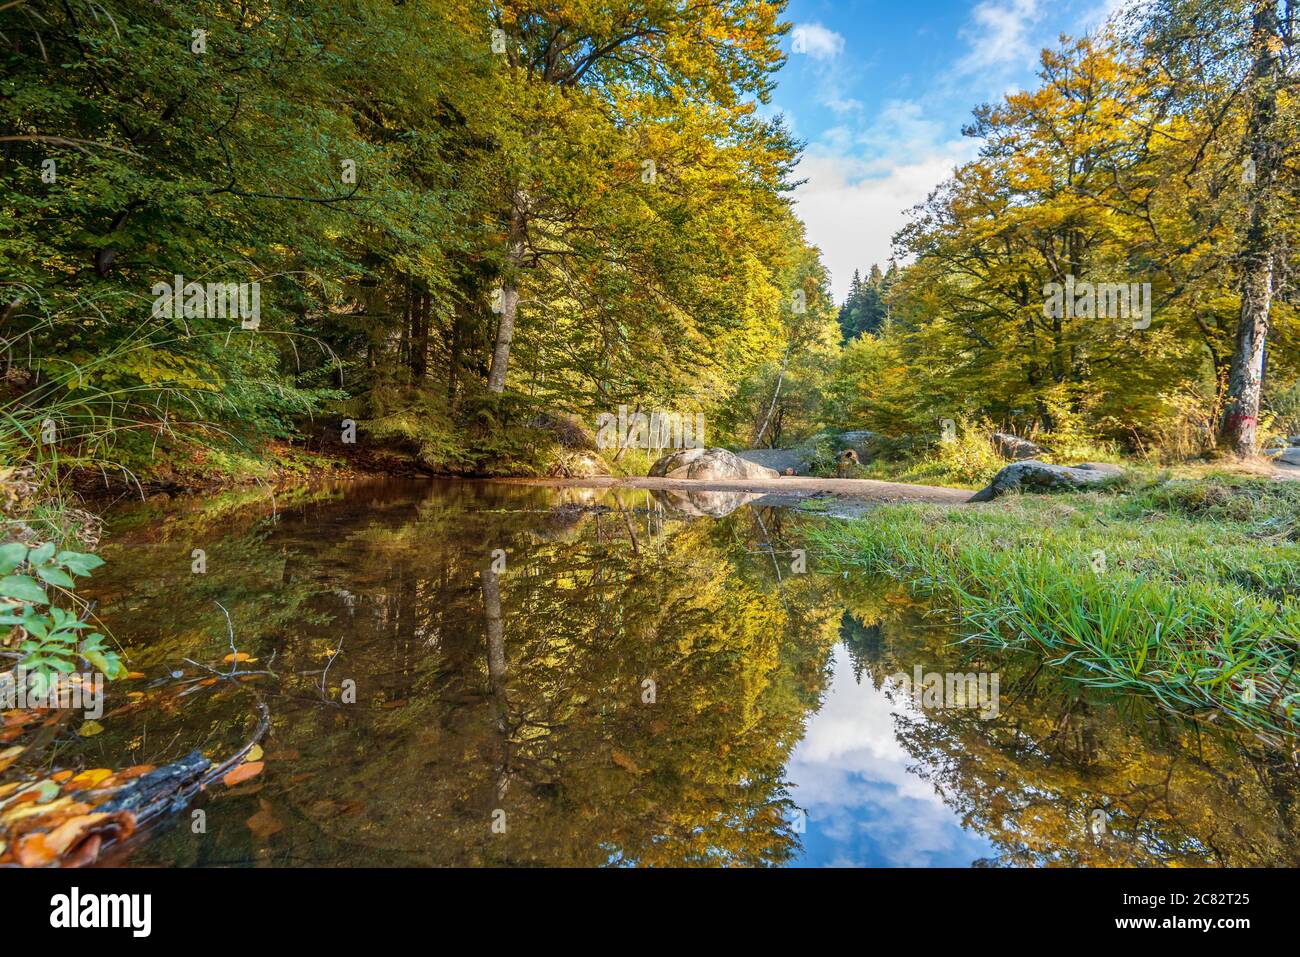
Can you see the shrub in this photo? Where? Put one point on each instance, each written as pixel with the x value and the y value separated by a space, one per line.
pixel 49 636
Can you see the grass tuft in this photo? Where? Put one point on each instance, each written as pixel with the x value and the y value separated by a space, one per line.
pixel 1184 591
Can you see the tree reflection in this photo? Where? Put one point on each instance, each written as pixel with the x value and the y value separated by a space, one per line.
pixel 628 689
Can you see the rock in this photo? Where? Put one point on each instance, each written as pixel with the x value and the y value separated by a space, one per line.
pixel 702 504
pixel 576 463
pixel 846 462
pixel 859 441
pixel 707 465
pixel 1290 456
pixel 786 461
pixel 1039 476
pixel 1014 447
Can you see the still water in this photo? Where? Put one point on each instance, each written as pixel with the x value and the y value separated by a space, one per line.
pixel 482 674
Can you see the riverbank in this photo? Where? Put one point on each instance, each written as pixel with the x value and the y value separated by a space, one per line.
pixel 794 487
pixel 1184 591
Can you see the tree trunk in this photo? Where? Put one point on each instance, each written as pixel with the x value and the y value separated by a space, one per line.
pixel 776 394
pixel 1240 423
pixel 421 306
pixel 497 673
pixel 509 300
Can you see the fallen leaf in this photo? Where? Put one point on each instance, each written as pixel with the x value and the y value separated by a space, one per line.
pixel 89 829
pixel 242 773
pixel 60 776
pixel 238 656
pixel 46 792
pixel 35 810
pixel 62 837
pixel 254 753
pixel 625 762
pixel 84 854
pixel 90 729
pixel 10 755
pixel 264 823
pixel 134 675
pixel 32 852
pixel 87 780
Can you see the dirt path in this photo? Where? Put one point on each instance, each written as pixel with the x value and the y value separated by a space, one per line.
pixel 792 486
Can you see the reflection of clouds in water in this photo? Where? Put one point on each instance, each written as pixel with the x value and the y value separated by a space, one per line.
pixel 864 807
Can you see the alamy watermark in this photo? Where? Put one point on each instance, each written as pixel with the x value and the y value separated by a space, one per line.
pixel 212 300
pixel 658 430
pixel 952 690
pixel 1098 300
pixel 22 689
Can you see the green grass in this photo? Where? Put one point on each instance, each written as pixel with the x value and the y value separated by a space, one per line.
pixel 1194 600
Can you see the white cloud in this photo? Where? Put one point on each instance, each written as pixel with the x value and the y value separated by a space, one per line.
pixel 861 787
pixel 1000 35
pixel 816 41
pixel 860 186
pixel 1103 11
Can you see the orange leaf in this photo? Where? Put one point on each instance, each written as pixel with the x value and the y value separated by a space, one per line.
pixel 89 779
pixel 264 823
pixel 625 762
pixel 10 755
pixel 32 852
pixel 242 773
pixel 85 833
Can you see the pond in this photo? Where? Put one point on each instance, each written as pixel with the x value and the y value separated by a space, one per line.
pixel 464 673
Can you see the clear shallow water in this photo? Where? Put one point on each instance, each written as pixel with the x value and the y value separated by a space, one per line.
pixel 519 697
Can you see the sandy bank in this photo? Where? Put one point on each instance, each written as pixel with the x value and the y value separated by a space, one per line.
pixel 792 486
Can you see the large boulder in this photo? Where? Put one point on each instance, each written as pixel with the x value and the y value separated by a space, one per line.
pixel 1036 476
pixel 1288 456
pixel 1014 447
pixel 708 465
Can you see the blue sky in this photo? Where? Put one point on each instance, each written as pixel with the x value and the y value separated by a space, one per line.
pixel 867 803
pixel 879 91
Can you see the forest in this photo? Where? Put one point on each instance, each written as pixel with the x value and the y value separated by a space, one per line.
pixel 464 224
pixel 252 247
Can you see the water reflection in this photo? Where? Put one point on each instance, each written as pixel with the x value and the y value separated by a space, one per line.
pixel 866 805
pixel 632 687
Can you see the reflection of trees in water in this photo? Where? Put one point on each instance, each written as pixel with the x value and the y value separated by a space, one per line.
pixel 865 644
pixel 523 690
pixel 536 708
pixel 1062 762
